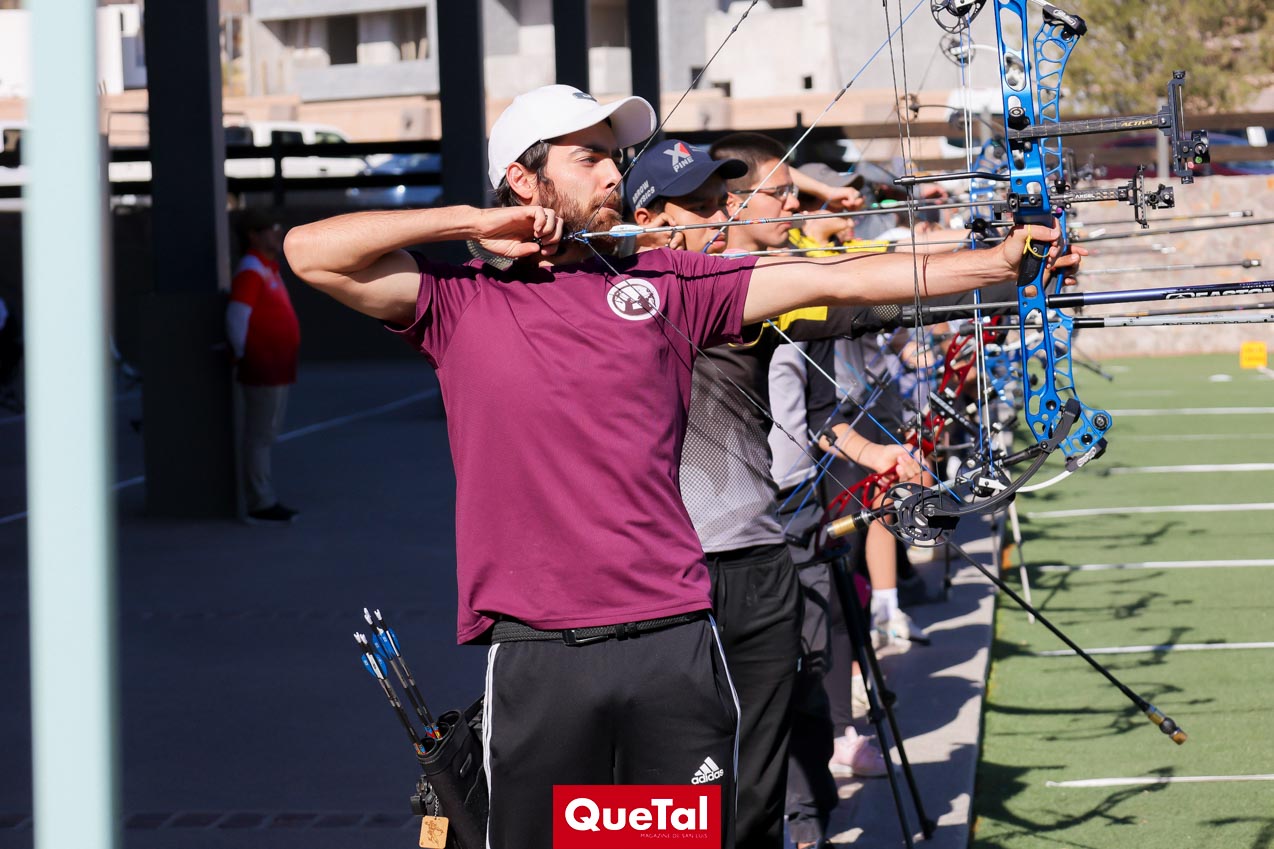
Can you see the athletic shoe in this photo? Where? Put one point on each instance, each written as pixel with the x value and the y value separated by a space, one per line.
pixel 898 630
pixel 858 696
pixel 855 756
pixel 275 514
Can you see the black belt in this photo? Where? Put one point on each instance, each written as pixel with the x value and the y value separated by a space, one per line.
pixel 512 631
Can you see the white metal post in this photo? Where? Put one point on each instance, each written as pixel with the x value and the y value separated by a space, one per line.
pixel 69 446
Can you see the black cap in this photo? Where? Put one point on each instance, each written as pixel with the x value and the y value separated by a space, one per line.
pixel 673 168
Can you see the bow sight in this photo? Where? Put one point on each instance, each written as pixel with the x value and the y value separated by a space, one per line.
pixel 1188 149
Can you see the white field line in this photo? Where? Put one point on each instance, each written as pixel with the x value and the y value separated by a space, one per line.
pixel 1155 564
pixel 291 434
pixel 1216 467
pixel 1198 411
pixel 353 417
pixel 1163 648
pixel 1170 508
pixel 1160 779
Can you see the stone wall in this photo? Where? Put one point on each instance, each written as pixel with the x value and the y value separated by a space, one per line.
pixel 1205 195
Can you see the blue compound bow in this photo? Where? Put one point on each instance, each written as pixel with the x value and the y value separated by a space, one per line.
pixel 1031 71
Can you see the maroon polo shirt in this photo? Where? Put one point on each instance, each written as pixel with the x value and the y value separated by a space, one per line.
pixel 566 392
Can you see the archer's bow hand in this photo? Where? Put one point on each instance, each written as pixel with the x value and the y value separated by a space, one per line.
pixel 1027 241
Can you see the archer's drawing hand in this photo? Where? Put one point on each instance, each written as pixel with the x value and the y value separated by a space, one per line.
pixel 520 231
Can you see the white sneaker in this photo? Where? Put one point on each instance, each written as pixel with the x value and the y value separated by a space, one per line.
pixel 855 756
pixel 898 630
pixel 858 696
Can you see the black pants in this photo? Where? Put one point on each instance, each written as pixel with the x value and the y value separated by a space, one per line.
pixel 757 599
pixel 839 681
pixel 646 710
pixel 811 790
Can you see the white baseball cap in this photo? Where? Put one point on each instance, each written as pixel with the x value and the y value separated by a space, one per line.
pixel 555 110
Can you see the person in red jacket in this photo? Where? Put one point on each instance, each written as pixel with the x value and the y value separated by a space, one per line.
pixel 265 337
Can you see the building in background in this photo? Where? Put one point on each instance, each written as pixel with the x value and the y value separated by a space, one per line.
pixel 370 67
pixel 121 58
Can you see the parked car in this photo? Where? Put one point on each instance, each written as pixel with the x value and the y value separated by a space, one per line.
pixel 401 195
pixel 265 133
pixel 14 176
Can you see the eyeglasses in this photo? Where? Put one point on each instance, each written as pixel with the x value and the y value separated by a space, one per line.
pixel 779 193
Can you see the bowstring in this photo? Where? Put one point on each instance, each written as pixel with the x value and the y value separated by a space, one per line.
pixel 828 108
pixel 805 448
pixel 694 83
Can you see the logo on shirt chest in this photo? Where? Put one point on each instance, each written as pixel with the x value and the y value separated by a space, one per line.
pixel 633 300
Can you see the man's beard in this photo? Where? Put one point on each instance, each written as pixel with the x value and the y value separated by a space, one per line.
pixel 576 218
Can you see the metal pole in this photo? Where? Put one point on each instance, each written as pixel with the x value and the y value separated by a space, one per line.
pixel 643 51
pixel 464 116
pixel 570 42
pixel 69 466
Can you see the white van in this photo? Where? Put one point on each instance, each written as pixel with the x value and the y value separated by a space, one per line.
pixel 264 133
pixel 252 133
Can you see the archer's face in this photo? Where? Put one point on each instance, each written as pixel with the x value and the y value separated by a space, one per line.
pixel 705 204
pixel 774 197
pixel 581 179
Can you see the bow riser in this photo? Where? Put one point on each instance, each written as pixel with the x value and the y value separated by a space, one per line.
pixel 1035 166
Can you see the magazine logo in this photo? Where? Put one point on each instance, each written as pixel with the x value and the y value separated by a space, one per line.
pixel 707 772
pixel 636 816
pixel 633 300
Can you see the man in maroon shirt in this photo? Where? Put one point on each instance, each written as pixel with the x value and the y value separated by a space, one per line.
pixel 566 380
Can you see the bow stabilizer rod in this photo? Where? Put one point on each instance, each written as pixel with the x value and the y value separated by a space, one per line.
pixel 1070 300
pixel 1164 722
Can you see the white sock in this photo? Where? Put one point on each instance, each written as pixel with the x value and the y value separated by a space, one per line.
pixel 884 603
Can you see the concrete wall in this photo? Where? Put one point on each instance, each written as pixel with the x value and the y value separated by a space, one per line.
pixel 829 40
pixel 15 53
pixel 1207 194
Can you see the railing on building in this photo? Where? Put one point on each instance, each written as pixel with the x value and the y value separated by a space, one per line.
pixel 877 141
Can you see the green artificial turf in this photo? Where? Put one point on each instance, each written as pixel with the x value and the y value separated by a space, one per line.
pixel 1055 718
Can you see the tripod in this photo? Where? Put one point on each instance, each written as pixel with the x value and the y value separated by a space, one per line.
pixel 880 711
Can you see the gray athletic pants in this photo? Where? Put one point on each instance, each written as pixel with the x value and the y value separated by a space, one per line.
pixel 263 410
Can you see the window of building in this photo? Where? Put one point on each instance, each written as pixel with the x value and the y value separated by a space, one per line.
pixel 296 33
pixel 342 39
pixel 411 28
pixel 607 24
pixel 807 82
